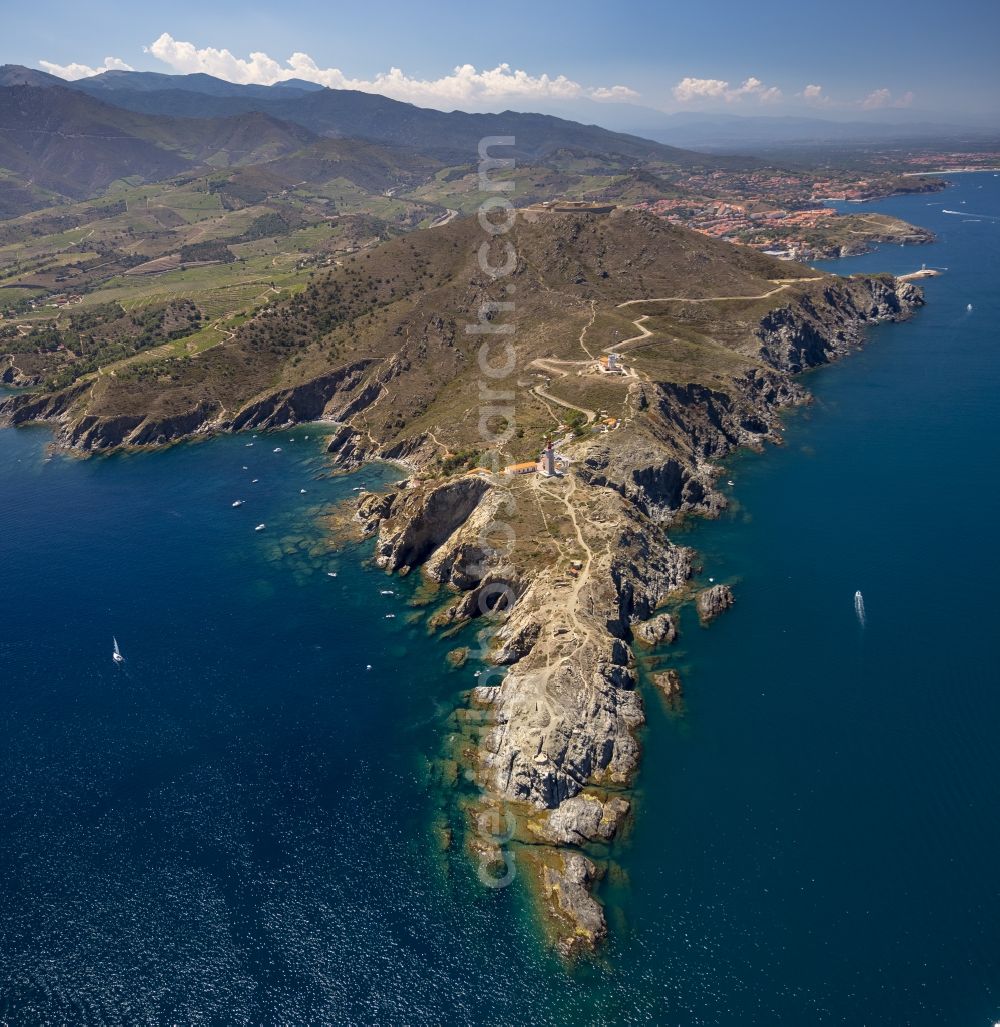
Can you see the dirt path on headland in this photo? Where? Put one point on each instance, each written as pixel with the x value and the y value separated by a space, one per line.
pixel 782 284
pixel 543 394
pixel 644 333
pixel 586 328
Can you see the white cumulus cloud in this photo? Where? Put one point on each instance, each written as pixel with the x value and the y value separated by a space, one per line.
pixel 878 98
pixel 814 95
pixel 614 93
pixel 690 90
pixel 464 85
pixel 72 72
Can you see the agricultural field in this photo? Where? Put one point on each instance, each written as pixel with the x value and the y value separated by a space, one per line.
pixel 212 241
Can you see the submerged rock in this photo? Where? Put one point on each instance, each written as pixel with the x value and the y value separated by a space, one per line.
pixel 669 683
pixel 457 657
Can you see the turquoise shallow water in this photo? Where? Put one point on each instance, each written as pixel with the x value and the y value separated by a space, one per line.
pixel 242 825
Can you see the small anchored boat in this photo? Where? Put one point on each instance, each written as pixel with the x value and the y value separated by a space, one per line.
pixel 260 527
pixel 238 502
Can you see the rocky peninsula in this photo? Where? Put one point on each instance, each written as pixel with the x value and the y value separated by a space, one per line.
pixel 563 573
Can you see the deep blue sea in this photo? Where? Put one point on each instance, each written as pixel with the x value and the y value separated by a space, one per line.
pixel 244 824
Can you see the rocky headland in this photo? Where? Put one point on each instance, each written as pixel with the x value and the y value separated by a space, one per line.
pixel 585 568
pixel 554 743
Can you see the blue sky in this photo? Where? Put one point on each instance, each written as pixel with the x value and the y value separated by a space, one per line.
pixel 842 60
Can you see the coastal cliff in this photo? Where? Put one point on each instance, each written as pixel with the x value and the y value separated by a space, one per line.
pixel 77 428
pixel 13 377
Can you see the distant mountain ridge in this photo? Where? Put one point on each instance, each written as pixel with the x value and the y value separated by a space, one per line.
pixel 351 113
pixel 65 142
pixel 623 128
pixel 16 75
pixel 110 82
pixel 72 140
pixel 699 130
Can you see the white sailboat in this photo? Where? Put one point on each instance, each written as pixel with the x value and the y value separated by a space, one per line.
pixel 117 654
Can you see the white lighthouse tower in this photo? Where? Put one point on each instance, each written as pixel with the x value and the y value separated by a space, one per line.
pixel 547 461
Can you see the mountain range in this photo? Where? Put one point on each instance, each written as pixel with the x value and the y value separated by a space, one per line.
pixel 62 140
pixel 343 112
pixel 685 129
pixel 66 143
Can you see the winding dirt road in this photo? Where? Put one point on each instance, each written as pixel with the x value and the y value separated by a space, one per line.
pixel 781 283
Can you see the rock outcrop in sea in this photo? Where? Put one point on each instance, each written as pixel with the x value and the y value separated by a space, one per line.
pixel 713 601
